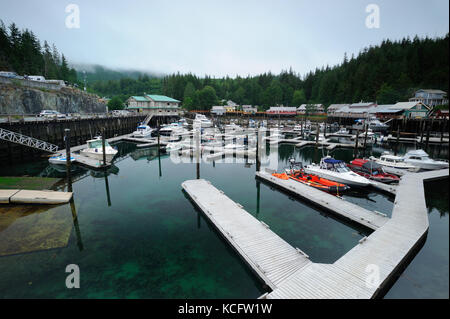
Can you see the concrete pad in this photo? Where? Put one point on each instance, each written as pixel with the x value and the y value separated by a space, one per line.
pixel 40 197
pixel 5 195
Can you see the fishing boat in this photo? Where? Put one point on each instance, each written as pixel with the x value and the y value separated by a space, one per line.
pixel 143 131
pixel 95 150
pixel 372 170
pixel 394 164
pixel 296 173
pixel 421 159
pixel 60 159
pixel 337 171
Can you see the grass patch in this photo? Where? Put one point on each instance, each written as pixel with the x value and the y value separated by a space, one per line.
pixel 29 183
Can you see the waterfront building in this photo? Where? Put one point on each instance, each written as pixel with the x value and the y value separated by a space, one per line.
pixel 152 103
pixel 430 97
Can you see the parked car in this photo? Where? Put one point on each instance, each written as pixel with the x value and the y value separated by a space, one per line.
pixel 51 114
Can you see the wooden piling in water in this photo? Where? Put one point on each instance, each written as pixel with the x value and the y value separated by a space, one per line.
pixel 103 146
pixel 67 142
pixel 356 142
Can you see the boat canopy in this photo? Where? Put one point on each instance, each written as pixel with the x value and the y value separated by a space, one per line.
pixel 332 161
pixel 372 165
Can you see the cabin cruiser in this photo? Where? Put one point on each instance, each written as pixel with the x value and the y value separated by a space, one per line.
pixel 95 150
pixel 394 164
pixel 202 121
pixel 60 159
pixel 337 171
pixel 421 159
pixel 143 131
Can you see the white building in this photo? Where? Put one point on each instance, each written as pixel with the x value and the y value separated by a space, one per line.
pixel 218 110
pixel 315 108
pixel 249 109
pixel 430 97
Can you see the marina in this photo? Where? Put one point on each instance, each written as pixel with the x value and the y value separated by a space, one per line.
pixel 385 248
pixel 292 254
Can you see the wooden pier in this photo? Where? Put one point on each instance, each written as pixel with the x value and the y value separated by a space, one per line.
pixel 290 273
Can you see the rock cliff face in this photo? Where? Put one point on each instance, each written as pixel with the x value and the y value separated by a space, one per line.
pixel 19 100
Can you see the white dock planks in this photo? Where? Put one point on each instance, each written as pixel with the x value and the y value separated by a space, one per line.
pixel 339 206
pixel 385 249
pixel 290 273
pixel 269 256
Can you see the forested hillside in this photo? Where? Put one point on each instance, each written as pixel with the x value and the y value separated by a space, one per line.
pixel 386 73
pixel 22 52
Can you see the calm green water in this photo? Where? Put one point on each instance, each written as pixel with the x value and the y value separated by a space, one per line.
pixel 137 235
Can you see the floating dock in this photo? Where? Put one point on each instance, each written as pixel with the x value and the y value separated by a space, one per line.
pixel 288 270
pixel 336 205
pixel 17 196
pixel 266 253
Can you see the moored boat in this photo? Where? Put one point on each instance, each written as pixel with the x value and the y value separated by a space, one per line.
pixel 60 159
pixel 143 131
pixel 337 171
pixel 372 170
pixel 421 159
pixel 394 164
pixel 95 150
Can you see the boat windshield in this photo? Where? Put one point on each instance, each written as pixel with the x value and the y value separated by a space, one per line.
pixel 97 144
pixel 341 168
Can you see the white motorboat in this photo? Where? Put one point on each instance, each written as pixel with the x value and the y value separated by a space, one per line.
pixel 95 150
pixel 234 146
pixel 143 131
pixel 337 171
pixel 394 164
pixel 202 121
pixel 373 123
pixel 342 131
pixel 233 128
pixel 60 159
pixel 421 159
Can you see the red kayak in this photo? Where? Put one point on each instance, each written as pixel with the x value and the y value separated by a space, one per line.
pixel 372 170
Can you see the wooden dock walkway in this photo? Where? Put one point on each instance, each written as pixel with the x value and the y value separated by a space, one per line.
pixel 269 256
pixel 347 210
pixel 290 273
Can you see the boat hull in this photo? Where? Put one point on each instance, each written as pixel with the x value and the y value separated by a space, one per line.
pixel 98 155
pixel 340 178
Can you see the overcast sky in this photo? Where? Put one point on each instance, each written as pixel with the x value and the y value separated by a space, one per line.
pixel 223 37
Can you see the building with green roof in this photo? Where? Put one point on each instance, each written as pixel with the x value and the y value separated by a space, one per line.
pixel 153 103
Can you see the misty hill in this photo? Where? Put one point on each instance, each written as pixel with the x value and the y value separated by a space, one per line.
pixel 101 73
